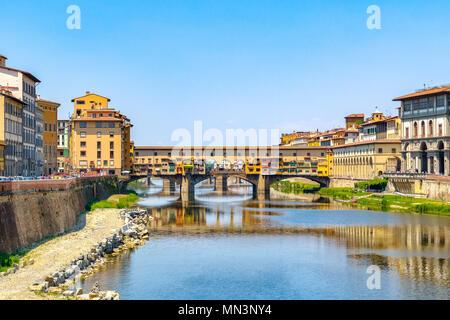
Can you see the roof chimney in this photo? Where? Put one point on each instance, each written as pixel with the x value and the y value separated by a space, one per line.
pixel 3 61
pixel 88 93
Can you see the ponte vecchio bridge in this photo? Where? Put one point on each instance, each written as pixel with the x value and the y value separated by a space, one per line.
pixel 260 166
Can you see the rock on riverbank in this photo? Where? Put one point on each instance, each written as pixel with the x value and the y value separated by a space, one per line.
pixel 62 280
pixel 53 267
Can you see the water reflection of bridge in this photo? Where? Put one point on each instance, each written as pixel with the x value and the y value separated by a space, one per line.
pixel 409 241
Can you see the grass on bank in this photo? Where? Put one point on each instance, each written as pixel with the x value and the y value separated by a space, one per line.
pixel 380 202
pixel 293 187
pixel 363 198
pixel 117 201
pixel 7 260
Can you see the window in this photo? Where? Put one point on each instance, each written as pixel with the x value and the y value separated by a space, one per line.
pixel 83 163
pixel 430 128
pixel 416 133
pixel 422 127
pixel 394 150
pixel 111 134
pixel 407 133
pixel 83 134
pixel 430 103
pixel 111 154
pixel 111 145
pixel 99 163
pixel 83 153
pixel 99 145
pixel 322 154
pixel 440 130
pixel 83 125
pixel 423 103
pixel 99 154
pixel 94 115
pixel 380 150
pixel 440 101
pixel 83 144
pixel 80 102
pixel 155 153
pixel 111 163
pixel 112 124
pixel 407 106
pixel 99 134
pixel 308 154
pixel 45 126
pixel 105 162
pixel 98 124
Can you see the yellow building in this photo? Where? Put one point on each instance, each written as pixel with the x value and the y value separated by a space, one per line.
pixel 367 159
pixel 50 141
pixel 100 137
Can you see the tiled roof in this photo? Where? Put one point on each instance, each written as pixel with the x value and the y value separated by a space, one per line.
pixel 427 92
pixel 12 97
pixel 48 101
pixel 356 115
pixel 366 142
pixel 29 75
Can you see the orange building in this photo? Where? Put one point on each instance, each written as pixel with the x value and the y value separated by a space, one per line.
pixel 100 137
pixel 50 139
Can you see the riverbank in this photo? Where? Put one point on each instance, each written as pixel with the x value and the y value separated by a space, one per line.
pixel 359 197
pixel 63 252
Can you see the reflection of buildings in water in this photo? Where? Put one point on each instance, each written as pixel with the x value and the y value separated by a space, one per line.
pixel 431 239
pixel 252 218
pixel 179 216
pixel 408 238
pixel 417 268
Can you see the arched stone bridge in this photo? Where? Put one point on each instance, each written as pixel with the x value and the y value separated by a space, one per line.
pixel 261 183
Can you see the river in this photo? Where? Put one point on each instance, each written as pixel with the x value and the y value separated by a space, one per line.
pixel 229 246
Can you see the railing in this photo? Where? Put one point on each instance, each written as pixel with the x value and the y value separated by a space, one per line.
pixel 412 175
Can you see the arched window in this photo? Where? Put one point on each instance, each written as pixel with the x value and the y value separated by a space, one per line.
pixel 430 128
pixel 422 128
pixel 415 130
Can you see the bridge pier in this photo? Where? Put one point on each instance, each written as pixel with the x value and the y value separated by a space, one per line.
pixel 187 189
pixel 221 184
pixel 263 187
pixel 168 186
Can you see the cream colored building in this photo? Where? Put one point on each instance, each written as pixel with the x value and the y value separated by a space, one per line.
pixel 367 159
pixel 22 85
pixel 425 118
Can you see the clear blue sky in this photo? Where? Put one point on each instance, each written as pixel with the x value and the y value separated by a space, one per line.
pixel 244 64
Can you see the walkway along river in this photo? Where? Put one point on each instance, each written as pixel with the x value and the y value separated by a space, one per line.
pixel 232 247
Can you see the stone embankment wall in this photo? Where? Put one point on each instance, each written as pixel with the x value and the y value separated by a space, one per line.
pixel 343 182
pixel 33 210
pixel 431 187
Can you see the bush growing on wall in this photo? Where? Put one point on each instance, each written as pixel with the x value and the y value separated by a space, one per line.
pixel 374 184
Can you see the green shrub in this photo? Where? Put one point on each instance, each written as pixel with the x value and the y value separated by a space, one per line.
pixel 374 184
pixel 7 260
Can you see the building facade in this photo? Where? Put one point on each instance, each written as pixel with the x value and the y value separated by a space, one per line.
pixel 50 135
pixel 22 85
pixel 367 159
pixel 11 133
pixel 100 137
pixel 39 141
pixel 63 156
pixel 425 131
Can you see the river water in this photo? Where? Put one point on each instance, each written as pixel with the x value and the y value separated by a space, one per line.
pixel 232 247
